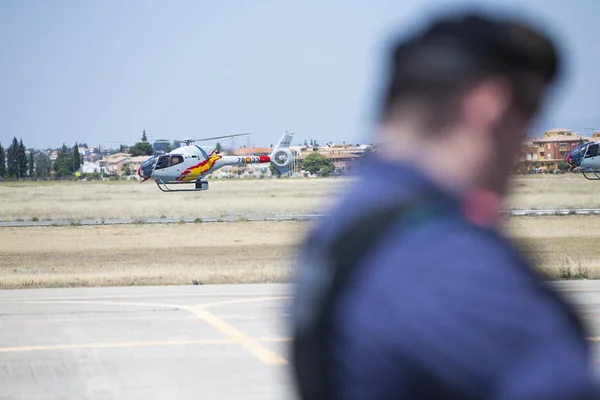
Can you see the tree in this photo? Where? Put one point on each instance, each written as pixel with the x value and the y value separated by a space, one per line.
pixel 63 172
pixel 2 163
pixel 141 149
pixel 22 160
pixel 12 161
pixel 42 166
pixel 218 147
pixel 64 161
pixel 31 164
pixel 317 163
pixel 76 158
pixel 274 171
pixel 144 137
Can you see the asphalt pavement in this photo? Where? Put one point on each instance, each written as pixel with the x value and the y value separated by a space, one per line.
pixel 175 342
pixel 179 342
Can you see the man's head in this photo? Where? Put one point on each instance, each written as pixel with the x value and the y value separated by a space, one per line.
pixel 469 87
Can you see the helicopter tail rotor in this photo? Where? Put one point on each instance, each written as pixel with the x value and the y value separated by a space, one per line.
pixel 282 157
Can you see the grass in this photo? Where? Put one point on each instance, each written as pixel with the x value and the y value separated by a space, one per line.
pixel 553 191
pixel 258 252
pixel 24 201
pixel 561 247
pixel 132 200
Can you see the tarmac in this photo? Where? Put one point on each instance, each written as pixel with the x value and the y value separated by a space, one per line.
pixel 178 342
pixel 168 342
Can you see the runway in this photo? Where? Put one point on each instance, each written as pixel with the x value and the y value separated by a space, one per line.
pixel 178 342
pixel 236 218
pixel 168 342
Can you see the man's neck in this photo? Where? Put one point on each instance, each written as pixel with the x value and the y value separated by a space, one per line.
pixel 434 158
pixel 445 163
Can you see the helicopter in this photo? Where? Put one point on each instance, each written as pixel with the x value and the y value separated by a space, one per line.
pixel 191 163
pixel 585 158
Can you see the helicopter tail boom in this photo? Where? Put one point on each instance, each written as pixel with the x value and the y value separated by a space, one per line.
pixel 281 157
pixel 241 160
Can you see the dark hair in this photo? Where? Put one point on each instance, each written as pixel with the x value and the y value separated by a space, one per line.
pixel 437 66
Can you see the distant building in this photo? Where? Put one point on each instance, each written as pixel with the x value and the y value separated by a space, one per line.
pixel 345 157
pixel 89 168
pixel 117 164
pixel 548 153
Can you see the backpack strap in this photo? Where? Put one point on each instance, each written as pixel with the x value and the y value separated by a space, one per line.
pixel 324 273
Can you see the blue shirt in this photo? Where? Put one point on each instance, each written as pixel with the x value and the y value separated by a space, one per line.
pixel 446 310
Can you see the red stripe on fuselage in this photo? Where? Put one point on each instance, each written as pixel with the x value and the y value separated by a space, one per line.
pixel 265 159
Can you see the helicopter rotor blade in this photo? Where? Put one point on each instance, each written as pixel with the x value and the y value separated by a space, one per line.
pixel 216 137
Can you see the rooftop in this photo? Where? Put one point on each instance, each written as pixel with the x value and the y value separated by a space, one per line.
pixel 558 130
pixel 563 138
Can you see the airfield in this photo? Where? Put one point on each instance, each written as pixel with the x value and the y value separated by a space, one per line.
pixel 217 342
pixel 239 231
pixel 214 342
pixel 186 297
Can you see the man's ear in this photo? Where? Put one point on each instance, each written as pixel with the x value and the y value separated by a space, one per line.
pixel 486 104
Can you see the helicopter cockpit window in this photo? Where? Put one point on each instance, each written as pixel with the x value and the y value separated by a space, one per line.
pixel 176 159
pixel 163 162
pixel 592 151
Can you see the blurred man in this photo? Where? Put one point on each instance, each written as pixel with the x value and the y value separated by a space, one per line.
pixel 408 290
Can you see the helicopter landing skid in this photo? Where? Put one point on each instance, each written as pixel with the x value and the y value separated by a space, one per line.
pixel 596 177
pixel 199 186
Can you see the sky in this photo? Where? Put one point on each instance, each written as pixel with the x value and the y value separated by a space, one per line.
pixel 102 71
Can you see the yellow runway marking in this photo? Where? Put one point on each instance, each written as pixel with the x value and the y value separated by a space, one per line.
pixel 252 346
pixel 22 349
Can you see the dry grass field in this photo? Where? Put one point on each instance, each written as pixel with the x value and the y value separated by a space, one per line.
pixel 240 252
pixel 553 191
pixel 127 199
pixel 236 252
pixel 562 247
pixel 130 199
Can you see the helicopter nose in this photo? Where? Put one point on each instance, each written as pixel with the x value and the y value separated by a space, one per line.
pixel 145 170
pixel 575 157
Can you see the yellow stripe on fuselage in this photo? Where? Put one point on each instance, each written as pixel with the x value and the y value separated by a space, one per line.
pixel 192 173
